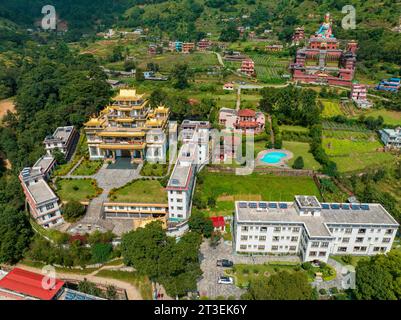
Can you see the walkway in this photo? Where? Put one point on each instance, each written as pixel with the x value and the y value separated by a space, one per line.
pixel 132 292
pixel 107 179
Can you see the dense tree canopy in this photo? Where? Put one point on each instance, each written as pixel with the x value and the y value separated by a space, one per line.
pixel 173 264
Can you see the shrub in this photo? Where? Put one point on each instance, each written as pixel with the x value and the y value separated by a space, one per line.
pixel 73 210
pixel 334 290
pixel 298 163
pixel 322 291
pixel 307 266
pixel 101 252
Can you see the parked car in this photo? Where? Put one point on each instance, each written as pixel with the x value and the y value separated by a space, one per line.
pixel 225 280
pixel 224 263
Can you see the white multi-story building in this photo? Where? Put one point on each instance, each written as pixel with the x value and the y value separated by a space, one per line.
pixel 42 201
pixel 63 139
pixel 181 185
pixel 197 132
pixel 311 229
pixel 391 137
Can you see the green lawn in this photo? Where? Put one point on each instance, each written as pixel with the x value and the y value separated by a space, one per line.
pixel 78 189
pixel 87 168
pixel 230 187
pixel 356 155
pixel 390 117
pixel 154 169
pixel 143 191
pixel 301 149
pixel 293 128
pixel 141 282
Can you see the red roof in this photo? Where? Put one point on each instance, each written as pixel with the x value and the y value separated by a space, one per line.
pixel 247 124
pixel 246 113
pixel 29 284
pixel 218 222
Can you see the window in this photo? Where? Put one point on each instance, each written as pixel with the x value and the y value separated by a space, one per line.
pixel 359 240
pixel 244 228
pixel 242 247
pixel 322 254
pixel 312 254
pixel 342 249
pixel 376 249
pixel 348 230
pixel 50 206
pixel 294 239
pixel 262 238
pixel 364 248
pixel 296 229
pixel 274 248
pixel 261 247
pixel 386 240
pixel 362 231
pixel 276 238
pixel 293 248
pixel 315 244
pixel 324 244
pixel 389 231
pixel 179 200
pixel 179 208
pixel 263 229
pixel 244 238
pixel 277 229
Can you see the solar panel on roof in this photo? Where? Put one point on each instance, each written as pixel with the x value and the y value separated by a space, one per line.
pixel 355 207
pixel 283 206
pixel 335 206
pixel 345 206
pixel 272 205
pixel 263 205
pixel 253 205
pixel 325 206
pixel 365 207
pixel 242 205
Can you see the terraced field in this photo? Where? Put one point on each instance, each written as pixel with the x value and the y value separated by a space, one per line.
pixel 331 108
pixel 270 69
pixel 351 151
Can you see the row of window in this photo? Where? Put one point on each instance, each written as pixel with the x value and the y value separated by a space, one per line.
pixel 362 249
pixel 360 231
pixel 322 245
pixel 263 238
pixel 361 239
pixel 262 247
pixel 178 208
pixel 315 253
pixel 48 207
pixel 276 229
pixel 178 200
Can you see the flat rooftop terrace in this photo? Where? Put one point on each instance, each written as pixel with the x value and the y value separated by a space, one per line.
pixel 41 192
pixel 317 226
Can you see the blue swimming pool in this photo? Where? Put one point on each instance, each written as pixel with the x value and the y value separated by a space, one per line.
pixel 273 157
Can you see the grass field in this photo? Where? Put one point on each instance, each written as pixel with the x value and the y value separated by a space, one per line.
pixel 257 186
pixel 77 189
pixel 293 128
pixel 355 155
pixel 390 117
pixel 331 108
pixel 244 273
pixel 141 282
pixel 87 168
pixel 301 149
pixel 143 191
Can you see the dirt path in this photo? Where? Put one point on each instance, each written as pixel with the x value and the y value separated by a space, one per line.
pixel 6 105
pixel 132 292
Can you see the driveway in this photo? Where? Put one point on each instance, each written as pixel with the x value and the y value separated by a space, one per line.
pixel 208 285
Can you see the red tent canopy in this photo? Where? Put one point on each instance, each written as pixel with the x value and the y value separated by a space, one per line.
pixel 29 284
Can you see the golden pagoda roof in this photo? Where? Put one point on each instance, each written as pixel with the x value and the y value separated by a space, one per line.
pixel 128 95
pixel 117 133
pixel 94 122
pixel 162 109
pixel 155 122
